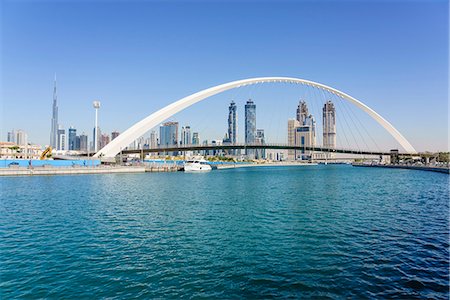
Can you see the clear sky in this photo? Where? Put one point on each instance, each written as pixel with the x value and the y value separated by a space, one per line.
pixel 138 56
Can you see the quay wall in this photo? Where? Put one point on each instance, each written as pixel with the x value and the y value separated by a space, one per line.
pixel 422 168
pixel 20 171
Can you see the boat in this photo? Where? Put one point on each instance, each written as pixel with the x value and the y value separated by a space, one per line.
pixel 197 165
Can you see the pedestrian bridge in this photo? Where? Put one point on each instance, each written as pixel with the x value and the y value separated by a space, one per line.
pixel 184 148
pixel 142 127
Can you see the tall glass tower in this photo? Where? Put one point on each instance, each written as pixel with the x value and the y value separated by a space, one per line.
pixel 250 125
pixel 54 129
pixel 232 122
pixel 72 138
pixel 168 135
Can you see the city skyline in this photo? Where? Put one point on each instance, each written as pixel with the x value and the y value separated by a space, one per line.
pixel 119 82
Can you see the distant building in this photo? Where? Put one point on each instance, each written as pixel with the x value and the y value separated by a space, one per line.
pixel 302 112
pixel 329 126
pixel 153 140
pixel 10 150
pixel 11 137
pixel 250 126
pixel 260 140
pixel 302 132
pixel 54 135
pixel 195 139
pixel 94 139
pixel 276 155
pixel 114 134
pixel 104 140
pixel 83 142
pixel 77 143
pixel 292 125
pixel 168 135
pixel 232 124
pixel 21 137
pixel 205 152
pixel 72 138
pixel 186 138
pixel 61 139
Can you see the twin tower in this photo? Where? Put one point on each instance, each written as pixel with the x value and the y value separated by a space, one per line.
pixel 302 131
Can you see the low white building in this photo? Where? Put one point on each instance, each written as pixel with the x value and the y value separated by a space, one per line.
pixel 9 150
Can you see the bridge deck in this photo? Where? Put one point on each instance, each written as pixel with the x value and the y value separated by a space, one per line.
pixel 265 146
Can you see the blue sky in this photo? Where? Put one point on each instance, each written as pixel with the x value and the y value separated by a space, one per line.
pixel 138 56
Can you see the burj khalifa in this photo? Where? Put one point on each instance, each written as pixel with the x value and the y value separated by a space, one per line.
pixel 54 130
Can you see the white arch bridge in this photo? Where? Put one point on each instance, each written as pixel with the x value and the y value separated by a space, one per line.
pixel 156 118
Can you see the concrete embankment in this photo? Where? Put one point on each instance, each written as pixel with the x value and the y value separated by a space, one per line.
pixel 20 171
pixel 422 168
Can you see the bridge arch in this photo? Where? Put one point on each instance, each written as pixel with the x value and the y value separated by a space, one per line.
pixel 156 118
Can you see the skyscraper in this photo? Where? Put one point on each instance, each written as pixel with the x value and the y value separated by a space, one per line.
pixel 168 135
pixel 11 136
pixel 260 140
pixel 95 139
pixel 54 126
pixel 21 137
pixel 72 138
pixel 329 125
pixel 302 112
pixel 195 139
pixel 83 142
pixel 153 140
pixel 186 135
pixel 250 125
pixel 292 125
pixel 302 132
pixel 232 122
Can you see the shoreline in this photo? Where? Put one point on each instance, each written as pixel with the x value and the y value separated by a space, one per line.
pixel 420 168
pixel 50 171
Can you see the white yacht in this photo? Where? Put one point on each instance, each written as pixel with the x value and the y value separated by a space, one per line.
pixel 197 165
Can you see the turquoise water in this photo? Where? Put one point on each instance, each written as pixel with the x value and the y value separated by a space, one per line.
pixel 315 231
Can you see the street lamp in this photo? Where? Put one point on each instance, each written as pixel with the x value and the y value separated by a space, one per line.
pixel 96 105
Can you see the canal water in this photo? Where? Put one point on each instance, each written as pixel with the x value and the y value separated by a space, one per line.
pixel 317 231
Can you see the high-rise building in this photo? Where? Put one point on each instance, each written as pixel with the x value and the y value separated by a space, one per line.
pixel 168 135
pixel 21 138
pixel 292 125
pixel 195 139
pixel 77 143
pixel 54 126
pixel 11 136
pixel 72 138
pixel 250 126
pixel 104 140
pixel 302 112
pixel 302 132
pixel 232 122
pixel 329 125
pixel 61 139
pixel 94 139
pixel 114 134
pixel 186 135
pixel 260 140
pixel 153 140
pixel 83 142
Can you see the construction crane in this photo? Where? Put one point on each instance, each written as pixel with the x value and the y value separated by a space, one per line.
pixel 46 152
